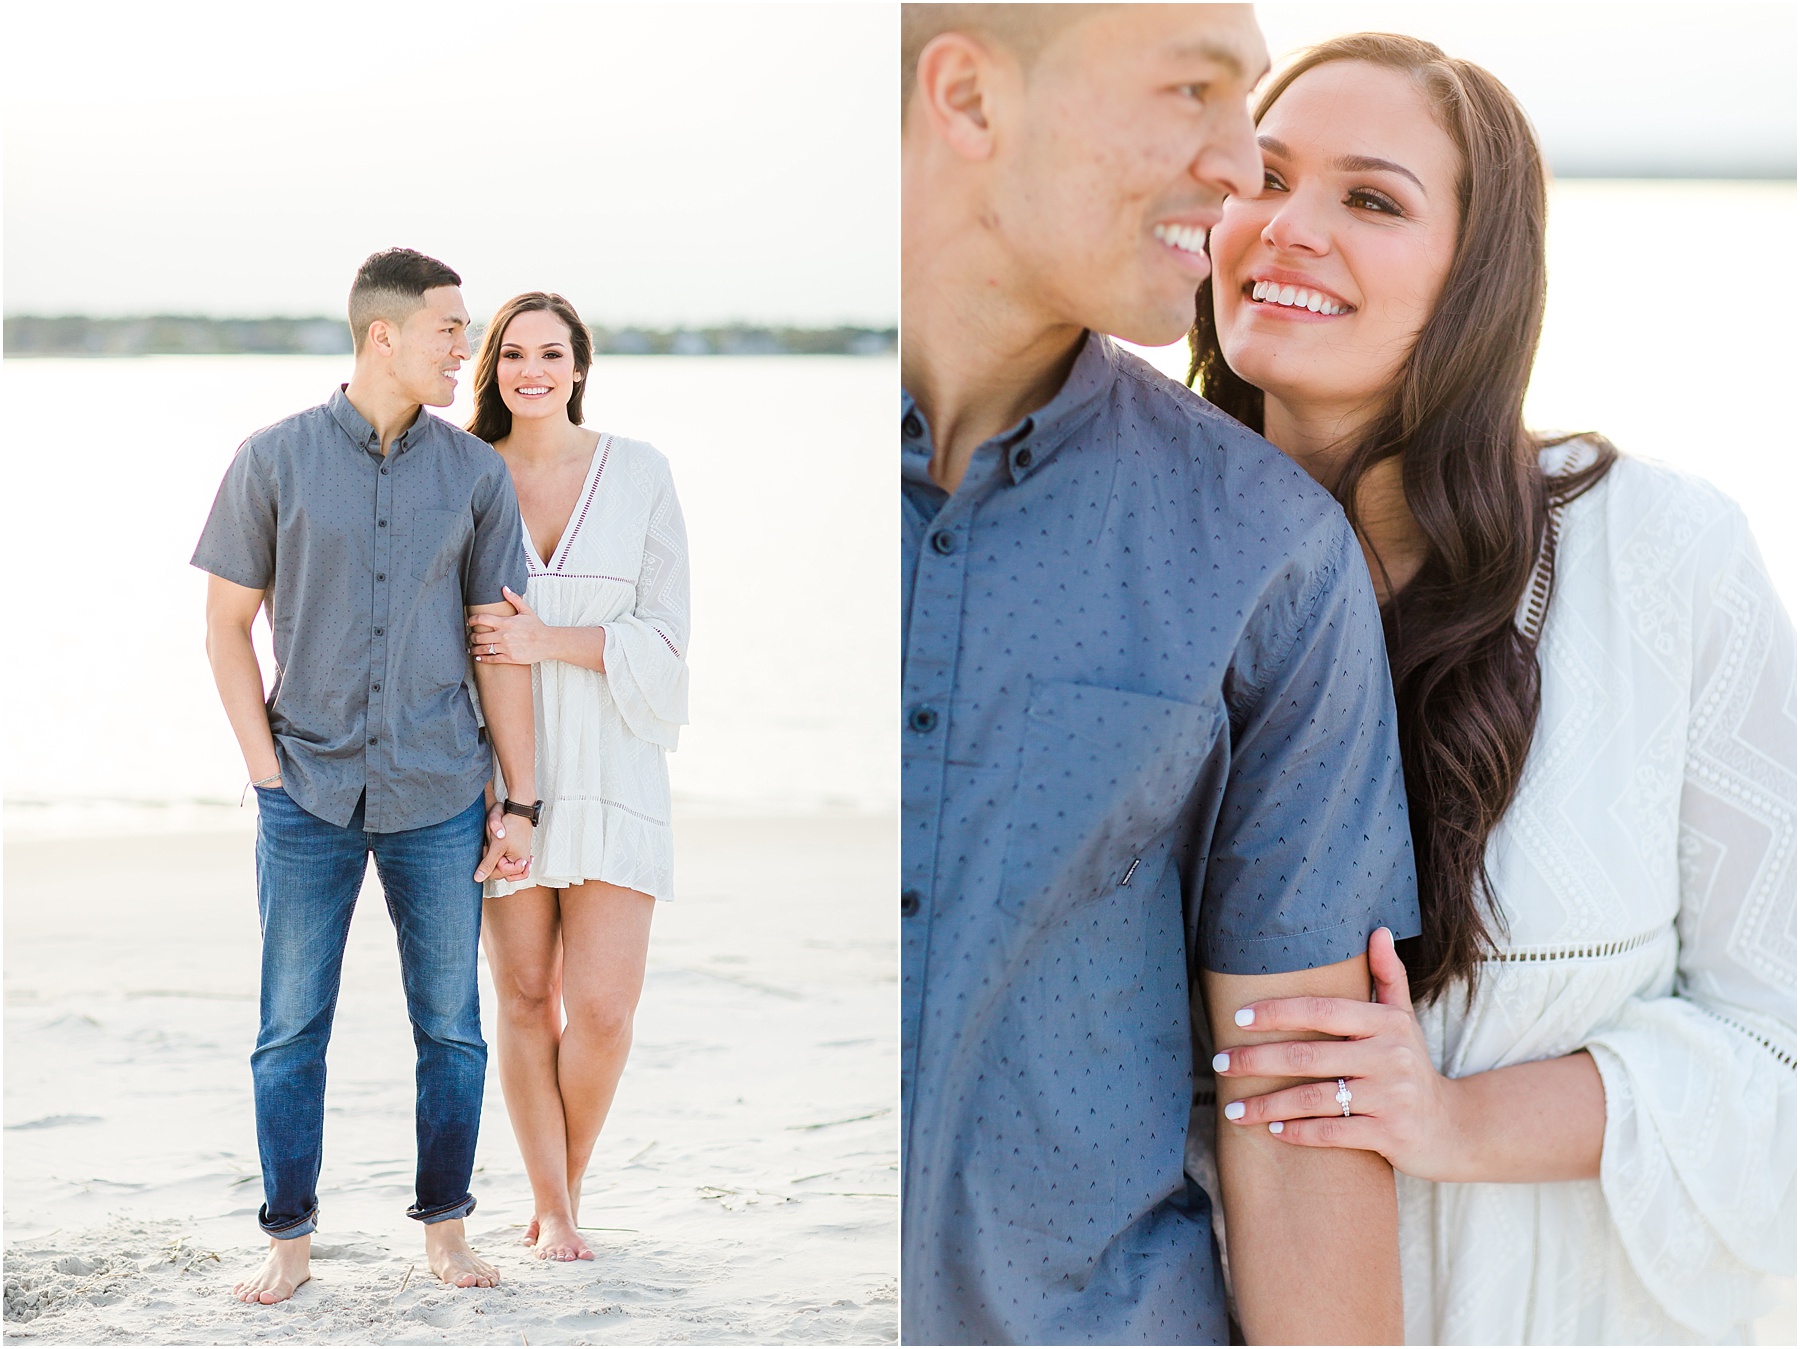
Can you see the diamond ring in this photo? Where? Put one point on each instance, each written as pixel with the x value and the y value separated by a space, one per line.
pixel 1343 1096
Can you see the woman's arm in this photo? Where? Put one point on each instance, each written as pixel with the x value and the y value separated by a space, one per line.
pixel 1529 1122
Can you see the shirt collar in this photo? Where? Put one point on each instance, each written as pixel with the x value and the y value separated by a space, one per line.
pixel 357 427
pixel 1030 443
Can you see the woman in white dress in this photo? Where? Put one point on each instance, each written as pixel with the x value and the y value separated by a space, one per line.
pixel 604 626
pixel 1591 1103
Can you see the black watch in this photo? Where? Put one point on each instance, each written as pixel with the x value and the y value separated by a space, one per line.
pixel 531 812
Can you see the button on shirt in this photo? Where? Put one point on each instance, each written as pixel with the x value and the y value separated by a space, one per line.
pixel 369 561
pixel 1147 729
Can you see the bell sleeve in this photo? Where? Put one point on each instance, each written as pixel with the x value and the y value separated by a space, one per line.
pixel 646 651
pixel 1697 1166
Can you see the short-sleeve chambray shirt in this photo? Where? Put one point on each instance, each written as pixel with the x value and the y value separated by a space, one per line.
pixel 1148 730
pixel 369 561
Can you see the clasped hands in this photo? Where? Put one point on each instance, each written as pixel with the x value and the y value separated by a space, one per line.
pixel 1401 1106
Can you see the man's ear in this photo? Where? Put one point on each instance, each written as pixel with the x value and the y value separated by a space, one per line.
pixel 381 336
pixel 955 92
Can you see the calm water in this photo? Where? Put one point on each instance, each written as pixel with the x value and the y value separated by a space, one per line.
pixel 784 466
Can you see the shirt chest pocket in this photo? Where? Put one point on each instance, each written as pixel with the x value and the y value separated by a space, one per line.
pixel 435 543
pixel 1102 776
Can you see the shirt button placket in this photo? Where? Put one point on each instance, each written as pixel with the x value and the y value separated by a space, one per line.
pixel 934 643
pixel 375 813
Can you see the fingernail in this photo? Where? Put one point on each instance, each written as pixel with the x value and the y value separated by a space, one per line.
pixel 1235 1110
pixel 1245 1016
pixel 1221 1063
pixel 1275 1128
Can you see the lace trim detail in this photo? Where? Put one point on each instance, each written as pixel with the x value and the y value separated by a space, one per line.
pixel 1781 1055
pixel 1586 951
pixel 1537 593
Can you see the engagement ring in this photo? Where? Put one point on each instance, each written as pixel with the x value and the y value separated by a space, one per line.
pixel 1343 1096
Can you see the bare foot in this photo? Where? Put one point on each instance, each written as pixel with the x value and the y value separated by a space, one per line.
pixel 447 1251
pixel 289 1265
pixel 531 1231
pixel 531 1228
pixel 559 1240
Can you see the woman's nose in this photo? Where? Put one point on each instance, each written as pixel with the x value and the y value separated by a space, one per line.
pixel 1298 226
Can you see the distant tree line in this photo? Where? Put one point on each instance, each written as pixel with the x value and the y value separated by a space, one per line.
pixel 191 335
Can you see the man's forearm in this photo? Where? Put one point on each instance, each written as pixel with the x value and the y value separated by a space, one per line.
pixel 1314 1234
pixel 506 704
pixel 238 676
pixel 1314 1241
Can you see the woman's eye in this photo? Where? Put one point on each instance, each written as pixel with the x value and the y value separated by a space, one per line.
pixel 1197 92
pixel 1272 181
pixel 1369 200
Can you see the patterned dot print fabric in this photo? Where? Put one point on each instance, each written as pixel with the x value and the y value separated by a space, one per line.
pixel 368 561
pixel 1146 729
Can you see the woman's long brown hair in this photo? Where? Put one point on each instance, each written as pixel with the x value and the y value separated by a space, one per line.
pixel 491 421
pixel 1465 677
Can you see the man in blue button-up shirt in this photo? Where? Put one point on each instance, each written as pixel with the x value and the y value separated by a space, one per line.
pixel 369 529
pixel 1149 766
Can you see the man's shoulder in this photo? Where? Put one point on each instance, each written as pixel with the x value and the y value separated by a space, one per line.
pixel 295 429
pixel 1243 476
pixel 465 445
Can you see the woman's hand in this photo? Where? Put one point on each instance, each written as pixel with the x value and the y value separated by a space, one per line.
pixel 1400 1106
pixel 523 639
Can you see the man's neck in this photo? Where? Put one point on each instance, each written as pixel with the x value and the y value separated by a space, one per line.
pixel 974 356
pixel 382 404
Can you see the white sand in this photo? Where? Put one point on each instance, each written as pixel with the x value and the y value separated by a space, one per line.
pixel 743 1191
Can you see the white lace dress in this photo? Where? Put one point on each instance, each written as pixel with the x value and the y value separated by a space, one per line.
pixel 602 739
pixel 1646 869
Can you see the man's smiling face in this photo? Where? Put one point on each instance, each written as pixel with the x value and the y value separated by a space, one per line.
pixel 1114 157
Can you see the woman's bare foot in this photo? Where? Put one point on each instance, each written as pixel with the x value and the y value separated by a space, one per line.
pixel 531 1231
pixel 558 1239
pixel 531 1228
pixel 289 1264
pixel 447 1251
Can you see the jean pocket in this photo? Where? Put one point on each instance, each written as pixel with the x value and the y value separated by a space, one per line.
pixel 1103 776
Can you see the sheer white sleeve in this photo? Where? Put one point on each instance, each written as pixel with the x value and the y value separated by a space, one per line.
pixel 646 651
pixel 1698 1162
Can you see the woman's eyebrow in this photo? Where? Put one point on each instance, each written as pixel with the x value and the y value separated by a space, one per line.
pixel 1348 163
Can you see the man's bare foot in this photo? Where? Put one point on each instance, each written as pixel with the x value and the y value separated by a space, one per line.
pixel 447 1251
pixel 559 1240
pixel 289 1265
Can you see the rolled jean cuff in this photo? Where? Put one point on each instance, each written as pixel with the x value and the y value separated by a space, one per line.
pixel 462 1208
pixel 302 1226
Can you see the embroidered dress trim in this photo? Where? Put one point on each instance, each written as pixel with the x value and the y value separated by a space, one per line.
pixel 1586 951
pixel 1781 1055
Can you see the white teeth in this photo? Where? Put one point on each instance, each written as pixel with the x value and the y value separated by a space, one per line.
pixel 1295 297
pixel 1188 238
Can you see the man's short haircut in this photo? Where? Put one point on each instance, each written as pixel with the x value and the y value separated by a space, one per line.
pixel 1023 30
pixel 392 285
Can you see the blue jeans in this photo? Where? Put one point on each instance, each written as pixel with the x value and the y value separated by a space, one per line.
pixel 308 874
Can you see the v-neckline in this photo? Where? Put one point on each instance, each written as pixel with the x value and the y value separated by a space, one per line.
pixel 573 523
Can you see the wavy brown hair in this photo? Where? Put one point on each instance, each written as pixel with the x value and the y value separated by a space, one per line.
pixel 1466 681
pixel 491 421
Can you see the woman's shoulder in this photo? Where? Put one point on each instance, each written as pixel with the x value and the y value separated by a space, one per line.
pixel 1633 484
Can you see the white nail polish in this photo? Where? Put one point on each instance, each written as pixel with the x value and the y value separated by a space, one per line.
pixel 1275 1128
pixel 1235 1110
pixel 1245 1016
pixel 1221 1063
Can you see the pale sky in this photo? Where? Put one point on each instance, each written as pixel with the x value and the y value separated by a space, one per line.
pixel 659 163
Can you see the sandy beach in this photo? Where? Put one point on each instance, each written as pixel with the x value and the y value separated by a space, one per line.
pixel 744 1190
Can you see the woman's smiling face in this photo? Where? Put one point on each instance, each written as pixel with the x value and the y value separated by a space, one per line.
pixel 1322 283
